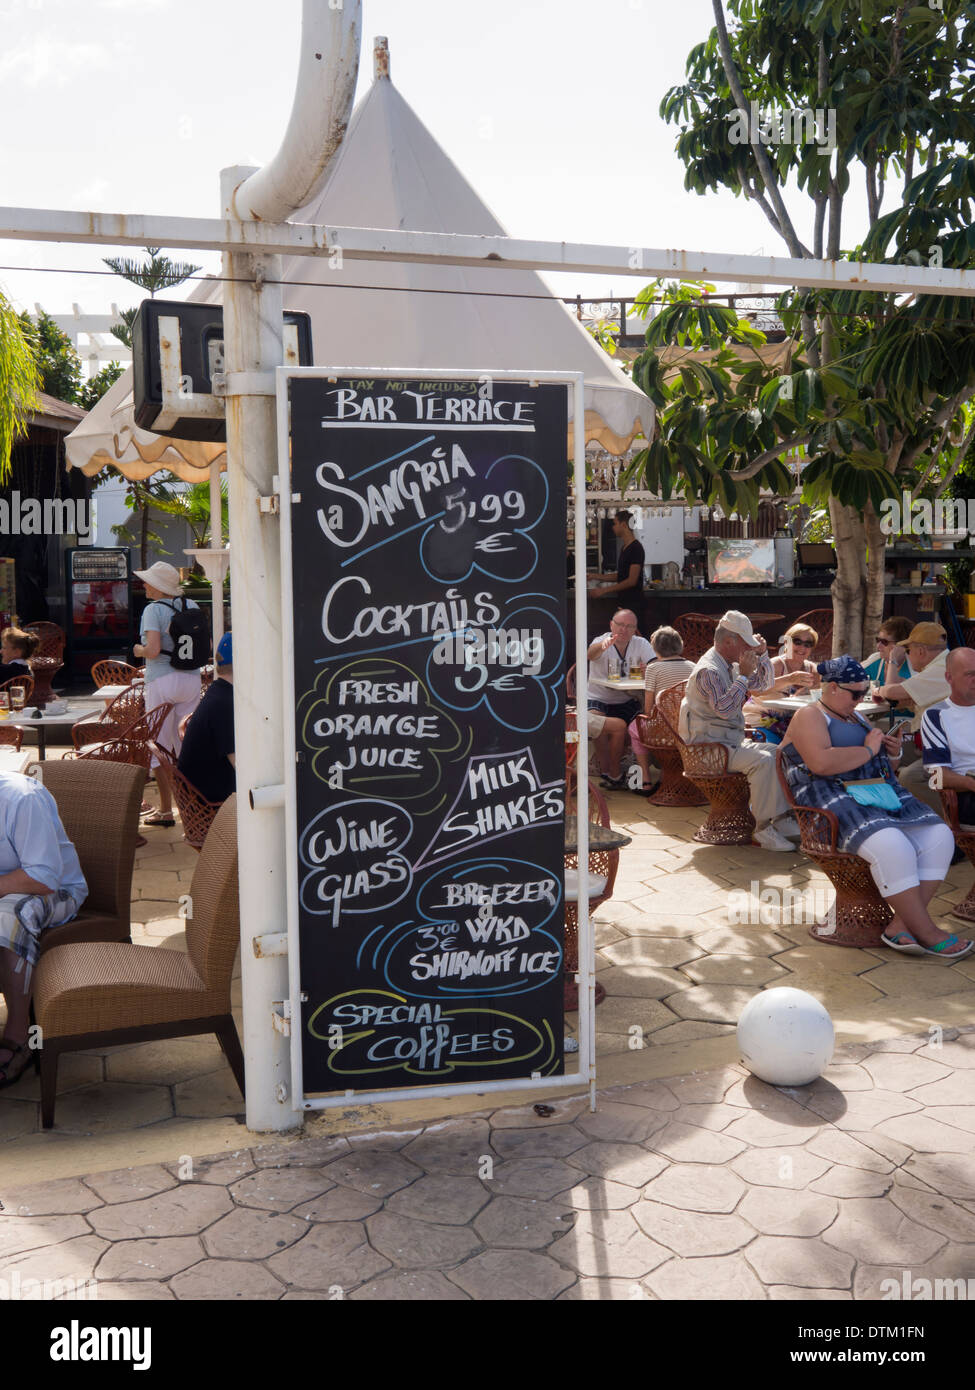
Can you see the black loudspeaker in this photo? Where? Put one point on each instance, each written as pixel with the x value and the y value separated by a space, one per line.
pixel 200 357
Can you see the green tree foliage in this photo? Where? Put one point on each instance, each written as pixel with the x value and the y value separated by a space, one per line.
pixel 57 361
pixel 877 384
pixel 19 382
pixel 154 274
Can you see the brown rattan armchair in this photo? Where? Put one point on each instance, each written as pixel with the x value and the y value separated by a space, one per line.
pixel 603 865
pixel 11 736
pixel 98 803
pixel 50 639
pixel 697 633
pixel 196 814
pixel 26 680
pixel 658 737
pixel 113 673
pixel 821 621
pixel 860 912
pixel 122 712
pixel 965 840
pixel 98 994
pixel 730 821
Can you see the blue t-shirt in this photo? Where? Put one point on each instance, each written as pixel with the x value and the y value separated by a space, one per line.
pixel 156 617
pixel 32 837
pixel 875 668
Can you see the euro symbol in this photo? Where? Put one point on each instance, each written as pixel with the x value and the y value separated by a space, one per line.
pixel 493 544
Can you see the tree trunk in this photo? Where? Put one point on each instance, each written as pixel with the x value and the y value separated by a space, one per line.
pixel 850 585
pixel 873 613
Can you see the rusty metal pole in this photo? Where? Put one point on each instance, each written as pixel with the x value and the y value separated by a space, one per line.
pixel 253 348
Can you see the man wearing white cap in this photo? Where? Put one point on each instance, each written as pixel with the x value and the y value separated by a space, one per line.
pixel 164 684
pixel 711 712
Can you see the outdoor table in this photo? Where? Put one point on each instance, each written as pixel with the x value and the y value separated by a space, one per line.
pixel 790 703
pixel 763 619
pixel 108 693
pixel 600 836
pixel 631 683
pixel 25 720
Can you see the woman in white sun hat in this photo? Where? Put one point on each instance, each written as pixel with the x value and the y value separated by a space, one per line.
pixel 181 689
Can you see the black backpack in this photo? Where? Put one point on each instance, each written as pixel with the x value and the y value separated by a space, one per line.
pixel 189 633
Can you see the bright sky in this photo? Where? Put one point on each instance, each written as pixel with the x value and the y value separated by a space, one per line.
pixel 548 107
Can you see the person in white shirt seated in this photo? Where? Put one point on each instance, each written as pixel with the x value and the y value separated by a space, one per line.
pixel 948 735
pixel 606 655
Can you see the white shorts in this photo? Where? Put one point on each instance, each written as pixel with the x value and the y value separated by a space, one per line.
pixel 181 689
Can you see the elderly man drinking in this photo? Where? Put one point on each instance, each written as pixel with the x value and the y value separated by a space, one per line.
pixel 711 712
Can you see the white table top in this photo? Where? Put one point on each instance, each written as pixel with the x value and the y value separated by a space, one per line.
pixel 791 703
pixel 110 692
pixel 631 683
pixel 25 719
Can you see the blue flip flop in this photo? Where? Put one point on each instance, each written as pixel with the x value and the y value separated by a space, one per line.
pixel 943 949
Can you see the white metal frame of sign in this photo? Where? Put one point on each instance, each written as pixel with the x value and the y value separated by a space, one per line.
pixel 586 1074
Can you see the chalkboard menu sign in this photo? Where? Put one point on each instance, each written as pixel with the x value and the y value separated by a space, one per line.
pixel 428 564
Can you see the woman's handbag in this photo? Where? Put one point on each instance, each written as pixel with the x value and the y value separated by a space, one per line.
pixel 876 792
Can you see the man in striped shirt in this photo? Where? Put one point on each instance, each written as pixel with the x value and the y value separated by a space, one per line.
pixel 735 667
pixel 948 735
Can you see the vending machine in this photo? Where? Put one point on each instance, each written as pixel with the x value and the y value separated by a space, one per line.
pixel 98 584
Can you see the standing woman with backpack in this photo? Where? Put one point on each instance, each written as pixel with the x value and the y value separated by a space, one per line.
pixel 165 681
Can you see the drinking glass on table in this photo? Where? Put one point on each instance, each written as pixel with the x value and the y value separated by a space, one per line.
pixel 18 694
pixel 4 704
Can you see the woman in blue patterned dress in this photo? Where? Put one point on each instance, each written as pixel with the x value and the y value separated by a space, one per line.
pixel 828 751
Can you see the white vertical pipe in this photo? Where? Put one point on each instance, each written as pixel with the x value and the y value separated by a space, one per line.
pixel 253 343
pixel 216 543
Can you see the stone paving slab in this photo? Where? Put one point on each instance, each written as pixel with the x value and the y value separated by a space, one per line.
pixel 642 1199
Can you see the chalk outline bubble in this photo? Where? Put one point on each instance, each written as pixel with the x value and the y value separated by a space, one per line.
pixel 361 808
pixel 517 530
pixel 542 1031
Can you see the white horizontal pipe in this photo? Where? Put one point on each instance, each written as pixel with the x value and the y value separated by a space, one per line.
pixel 487 252
pixel 269 798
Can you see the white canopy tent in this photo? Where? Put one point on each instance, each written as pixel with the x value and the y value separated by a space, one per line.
pixel 390 172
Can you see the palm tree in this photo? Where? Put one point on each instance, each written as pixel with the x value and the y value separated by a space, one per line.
pixel 192 505
pixel 157 273
pixel 19 382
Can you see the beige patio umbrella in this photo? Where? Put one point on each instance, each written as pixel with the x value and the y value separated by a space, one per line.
pixel 391 172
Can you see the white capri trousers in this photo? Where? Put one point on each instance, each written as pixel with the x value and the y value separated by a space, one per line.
pixel 902 859
pixel 181 689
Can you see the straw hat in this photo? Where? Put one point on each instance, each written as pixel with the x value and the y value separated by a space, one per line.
pixel 161 576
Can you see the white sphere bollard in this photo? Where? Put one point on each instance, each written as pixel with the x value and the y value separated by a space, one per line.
pixel 786 1037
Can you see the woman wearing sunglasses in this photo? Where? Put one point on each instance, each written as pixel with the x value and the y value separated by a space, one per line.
pixel 834 761
pixel 794 659
pixel 881 667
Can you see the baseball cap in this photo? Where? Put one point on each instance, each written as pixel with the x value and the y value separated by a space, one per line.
pixel 927 635
pixel 740 624
pixel 225 655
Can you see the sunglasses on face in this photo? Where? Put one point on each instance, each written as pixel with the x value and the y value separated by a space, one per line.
pixel 803 642
pixel 854 689
pixel 884 642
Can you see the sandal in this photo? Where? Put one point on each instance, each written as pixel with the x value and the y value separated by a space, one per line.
pixel 943 949
pixel 157 818
pixel 13 1069
pixel 905 942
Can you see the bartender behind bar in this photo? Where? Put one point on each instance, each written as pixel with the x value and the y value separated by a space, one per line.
pixel 628 589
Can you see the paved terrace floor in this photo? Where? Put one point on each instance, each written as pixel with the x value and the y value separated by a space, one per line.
pixel 676 967
pixel 683 1184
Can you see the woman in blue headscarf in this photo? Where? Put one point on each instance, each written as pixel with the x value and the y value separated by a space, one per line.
pixel 834 761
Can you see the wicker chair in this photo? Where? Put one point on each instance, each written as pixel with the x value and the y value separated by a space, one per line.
pixel 697 633
pixel 124 710
pixel 11 736
pixel 196 814
pixel 821 621
pixel 50 637
pixel 657 736
pixel 729 822
pixel 27 681
pixel 113 673
pixel 99 809
pixel 965 840
pixel 860 912
pixel 132 744
pixel 603 865
pixel 99 994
